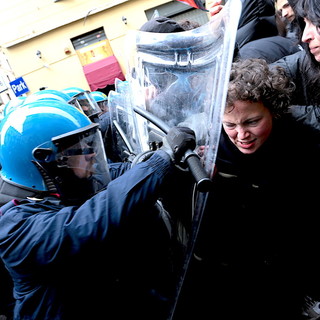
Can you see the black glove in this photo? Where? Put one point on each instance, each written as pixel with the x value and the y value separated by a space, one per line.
pixel 177 141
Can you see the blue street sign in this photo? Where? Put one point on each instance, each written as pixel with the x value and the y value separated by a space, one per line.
pixel 19 87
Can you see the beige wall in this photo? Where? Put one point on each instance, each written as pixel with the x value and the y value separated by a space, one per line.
pixel 47 26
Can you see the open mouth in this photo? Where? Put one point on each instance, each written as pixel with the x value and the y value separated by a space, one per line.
pixel 246 144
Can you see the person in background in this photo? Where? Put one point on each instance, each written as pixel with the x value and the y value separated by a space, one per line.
pixel 304 67
pixel 257 19
pixel 258 34
pixel 250 242
pixel 104 116
pixel 109 138
pixel 167 25
pixel 74 242
pixel 276 47
pixel 270 49
pixel 161 25
pixel 285 10
pixel 188 24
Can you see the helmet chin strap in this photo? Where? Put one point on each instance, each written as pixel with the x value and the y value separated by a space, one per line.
pixel 72 190
pixel 46 178
pixel 55 182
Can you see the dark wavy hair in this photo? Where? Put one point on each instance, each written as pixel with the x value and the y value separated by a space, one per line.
pixel 254 80
pixel 310 9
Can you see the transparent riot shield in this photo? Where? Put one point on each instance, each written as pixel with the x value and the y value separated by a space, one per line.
pixel 181 79
pixel 121 86
pixel 123 124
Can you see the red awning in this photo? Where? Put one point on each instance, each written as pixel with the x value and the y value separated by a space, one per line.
pixel 101 73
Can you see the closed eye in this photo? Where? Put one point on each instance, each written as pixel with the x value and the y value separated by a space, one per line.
pixel 229 125
pixel 252 122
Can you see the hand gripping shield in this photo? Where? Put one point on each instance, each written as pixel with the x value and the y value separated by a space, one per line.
pixel 182 79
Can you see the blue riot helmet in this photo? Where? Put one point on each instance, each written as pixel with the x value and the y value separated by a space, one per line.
pixel 101 99
pixel 59 151
pixel 85 102
pixel 72 91
pixel 47 94
pixel 13 104
pixel 98 95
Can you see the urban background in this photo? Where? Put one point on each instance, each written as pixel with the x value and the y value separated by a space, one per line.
pixel 56 44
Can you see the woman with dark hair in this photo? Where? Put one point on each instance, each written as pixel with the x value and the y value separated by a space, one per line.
pixel 304 67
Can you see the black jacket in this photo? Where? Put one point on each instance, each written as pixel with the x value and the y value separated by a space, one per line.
pixel 257 21
pixel 306 108
pixel 270 49
pixel 295 66
pixel 259 228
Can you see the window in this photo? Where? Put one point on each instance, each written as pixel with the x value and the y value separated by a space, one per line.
pixel 179 11
pixel 92 46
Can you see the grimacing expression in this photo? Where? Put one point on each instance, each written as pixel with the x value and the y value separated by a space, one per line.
pixel 248 125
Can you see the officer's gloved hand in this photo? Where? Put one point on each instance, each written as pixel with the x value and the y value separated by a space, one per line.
pixel 177 141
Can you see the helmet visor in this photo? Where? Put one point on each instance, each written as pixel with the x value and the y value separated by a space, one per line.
pixel 84 154
pixel 86 103
pixel 103 105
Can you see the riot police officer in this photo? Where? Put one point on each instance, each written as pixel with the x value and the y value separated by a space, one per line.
pixel 64 231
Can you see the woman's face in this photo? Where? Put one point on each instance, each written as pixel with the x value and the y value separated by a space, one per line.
pixel 311 36
pixel 248 125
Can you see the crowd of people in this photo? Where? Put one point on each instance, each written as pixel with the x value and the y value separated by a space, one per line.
pixel 88 234
pixel 250 241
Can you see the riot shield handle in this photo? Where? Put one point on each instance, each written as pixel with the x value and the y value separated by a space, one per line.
pixel 203 182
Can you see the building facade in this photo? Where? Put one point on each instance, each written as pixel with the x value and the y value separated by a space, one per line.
pixel 57 44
